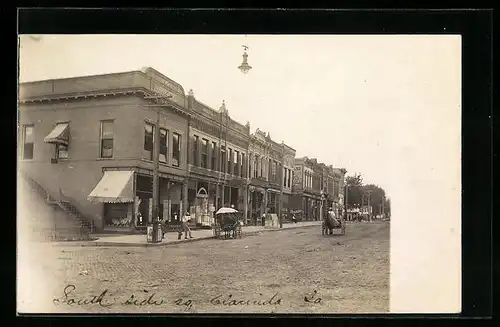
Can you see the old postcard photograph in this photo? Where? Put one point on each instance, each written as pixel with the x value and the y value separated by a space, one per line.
pixel 217 173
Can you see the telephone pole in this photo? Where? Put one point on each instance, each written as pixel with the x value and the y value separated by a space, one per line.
pixel 156 160
pixel 369 198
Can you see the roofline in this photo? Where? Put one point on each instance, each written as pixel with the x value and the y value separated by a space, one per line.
pixel 81 76
pixel 143 72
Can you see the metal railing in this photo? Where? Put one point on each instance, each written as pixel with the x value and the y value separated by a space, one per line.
pixel 86 225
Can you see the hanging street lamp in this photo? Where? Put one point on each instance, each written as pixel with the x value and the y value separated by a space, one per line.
pixel 245 67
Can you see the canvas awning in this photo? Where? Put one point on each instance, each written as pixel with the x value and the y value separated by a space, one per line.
pixel 115 186
pixel 59 135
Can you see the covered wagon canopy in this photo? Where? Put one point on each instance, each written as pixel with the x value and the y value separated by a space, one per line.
pixel 226 210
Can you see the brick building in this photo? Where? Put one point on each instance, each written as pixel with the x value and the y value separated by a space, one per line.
pixel 218 152
pixel 306 196
pixel 89 141
pixel 288 160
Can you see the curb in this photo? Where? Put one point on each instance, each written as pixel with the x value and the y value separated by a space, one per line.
pixel 117 244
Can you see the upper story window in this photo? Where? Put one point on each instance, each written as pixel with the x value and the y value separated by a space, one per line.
pixel 195 150
pixel 176 149
pixel 256 167
pixel 204 153
pixel 250 171
pixel 62 151
pixel 148 141
pixel 290 172
pixel 214 156
pixel 107 139
pixel 223 159
pixel 163 145
pixel 59 137
pixel 285 177
pixel 243 170
pixel 229 161
pixel 235 163
pixel 28 141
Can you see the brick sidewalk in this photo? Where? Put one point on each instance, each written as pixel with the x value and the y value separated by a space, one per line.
pixel 171 238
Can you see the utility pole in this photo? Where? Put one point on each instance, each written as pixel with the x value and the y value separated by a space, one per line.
pixel 156 159
pixel 346 200
pixel 383 207
pixel 369 198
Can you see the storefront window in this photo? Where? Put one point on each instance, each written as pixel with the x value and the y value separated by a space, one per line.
pixel 204 153
pixel 117 215
pixel 163 145
pixel 235 163
pixel 148 141
pixel 214 156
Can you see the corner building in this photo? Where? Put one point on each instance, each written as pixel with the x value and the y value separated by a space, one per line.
pixel 89 141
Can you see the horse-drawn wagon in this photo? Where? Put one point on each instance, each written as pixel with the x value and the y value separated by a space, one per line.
pixel 331 223
pixel 228 223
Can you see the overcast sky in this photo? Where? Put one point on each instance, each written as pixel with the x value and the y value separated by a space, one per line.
pixel 371 104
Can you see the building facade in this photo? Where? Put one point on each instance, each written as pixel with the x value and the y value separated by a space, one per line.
pixel 287 179
pixel 218 152
pixel 316 189
pixel 89 140
pixel 306 195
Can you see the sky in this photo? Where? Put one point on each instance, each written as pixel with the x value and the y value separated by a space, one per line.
pixel 351 101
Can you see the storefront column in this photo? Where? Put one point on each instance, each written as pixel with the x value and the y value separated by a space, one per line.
pixel 184 199
pixel 167 203
pixel 280 203
pixel 265 202
pixel 245 202
pixel 222 196
pixel 217 196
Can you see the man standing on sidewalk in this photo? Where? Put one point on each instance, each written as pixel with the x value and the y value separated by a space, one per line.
pixel 185 225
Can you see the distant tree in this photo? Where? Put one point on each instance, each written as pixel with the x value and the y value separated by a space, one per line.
pixel 376 197
pixel 354 190
pixel 355 180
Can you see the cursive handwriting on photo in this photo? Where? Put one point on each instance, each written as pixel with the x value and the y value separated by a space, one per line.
pixel 149 298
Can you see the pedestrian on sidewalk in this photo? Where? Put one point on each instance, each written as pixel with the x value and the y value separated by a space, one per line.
pixel 185 225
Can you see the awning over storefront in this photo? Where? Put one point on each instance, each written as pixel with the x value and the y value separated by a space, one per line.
pixel 115 186
pixel 272 190
pixel 59 135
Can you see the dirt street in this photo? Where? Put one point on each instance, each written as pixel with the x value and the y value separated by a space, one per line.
pixel 289 271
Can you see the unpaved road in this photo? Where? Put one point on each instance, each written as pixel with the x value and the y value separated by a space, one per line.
pixel 289 271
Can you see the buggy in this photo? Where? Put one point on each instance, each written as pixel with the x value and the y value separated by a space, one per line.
pixel 228 223
pixel 331 223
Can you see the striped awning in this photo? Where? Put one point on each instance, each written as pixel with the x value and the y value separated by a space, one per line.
pixel 115 186
pixel 59 135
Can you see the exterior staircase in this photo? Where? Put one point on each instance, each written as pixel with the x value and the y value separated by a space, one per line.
pixel 82 226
